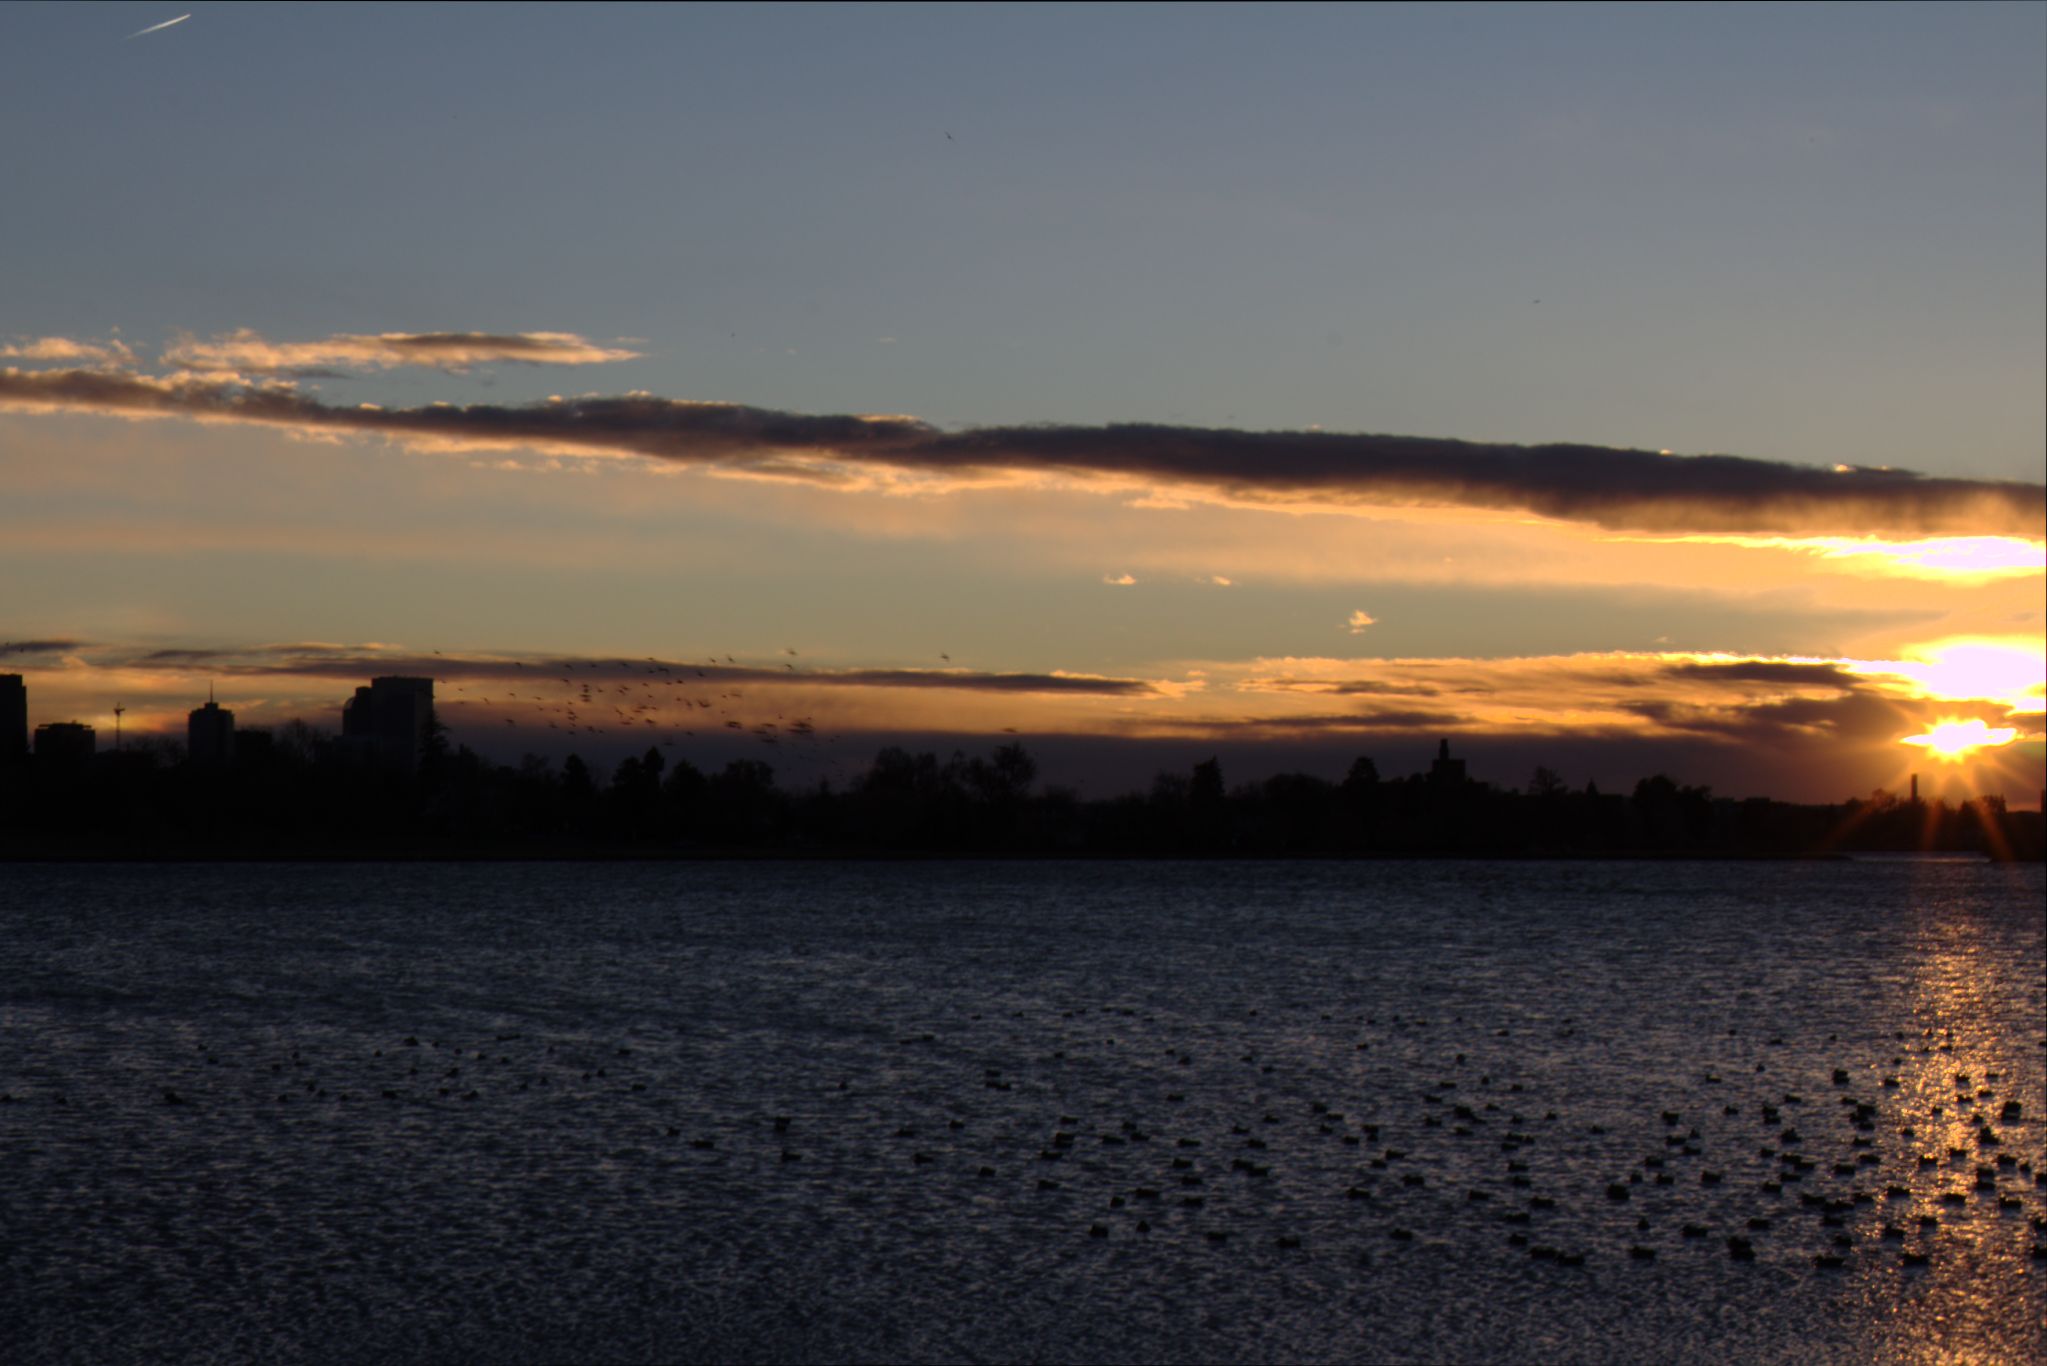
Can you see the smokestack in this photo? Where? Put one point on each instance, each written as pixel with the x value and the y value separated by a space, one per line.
pixel 1915 789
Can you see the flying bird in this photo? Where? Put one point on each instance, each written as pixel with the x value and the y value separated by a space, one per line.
pixel 154 27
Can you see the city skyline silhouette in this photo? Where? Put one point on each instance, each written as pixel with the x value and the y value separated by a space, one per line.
pixel 835 683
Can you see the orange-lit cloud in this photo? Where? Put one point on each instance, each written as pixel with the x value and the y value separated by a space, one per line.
pixel 246 351
pixel 68 349
pixel 1737 699
pixel 1613 488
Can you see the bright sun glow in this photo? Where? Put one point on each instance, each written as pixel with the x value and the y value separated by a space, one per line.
pixel 1935 557
pixel 1960 555
pixel 1955 741
pixel 2010 670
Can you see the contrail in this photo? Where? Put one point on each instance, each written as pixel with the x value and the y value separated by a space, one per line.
pixel 154 27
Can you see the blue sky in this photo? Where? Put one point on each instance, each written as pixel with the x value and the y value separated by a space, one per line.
pixel 1810 233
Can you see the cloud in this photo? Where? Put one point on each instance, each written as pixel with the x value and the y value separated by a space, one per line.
pixel 1839 712
pixel 1363 687
pixel 1854 718
pixel 1016 682
pixel 1359 620
pixel 1794 673
pixel 1118 580
pixel 40 647
pixel 112 352
pixel 1609 487
pixel 244 350
pixel 324 660
pixel 1380 721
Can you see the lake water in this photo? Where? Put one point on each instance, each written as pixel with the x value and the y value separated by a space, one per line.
pixel 1143 1111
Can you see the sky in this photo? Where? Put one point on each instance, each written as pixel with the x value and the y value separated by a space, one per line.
pixel 1611 389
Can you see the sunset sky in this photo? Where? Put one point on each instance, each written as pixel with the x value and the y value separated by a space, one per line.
pixel 1617 390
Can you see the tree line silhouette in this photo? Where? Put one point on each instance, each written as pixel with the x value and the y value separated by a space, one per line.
pixel 293 793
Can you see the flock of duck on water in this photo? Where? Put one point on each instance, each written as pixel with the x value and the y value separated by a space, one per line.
pixel 1832 1178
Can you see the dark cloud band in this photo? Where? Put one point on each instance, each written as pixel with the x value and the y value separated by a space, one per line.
pixel 1604 486
pixel 344 663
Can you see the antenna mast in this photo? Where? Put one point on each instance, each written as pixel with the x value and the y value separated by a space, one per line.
pixel 118 709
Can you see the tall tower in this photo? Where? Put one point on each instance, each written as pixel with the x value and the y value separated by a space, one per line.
pixel 1446 771
pixel 13 719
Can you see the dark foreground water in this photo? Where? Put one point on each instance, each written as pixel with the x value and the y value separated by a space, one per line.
pixel 1015 1112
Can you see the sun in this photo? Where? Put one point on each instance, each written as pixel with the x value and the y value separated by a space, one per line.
pixel 1955 741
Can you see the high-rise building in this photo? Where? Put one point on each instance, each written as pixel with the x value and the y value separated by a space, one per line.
pixel 387 722
pixel 210 735
pixel 13 719
pixel 65 742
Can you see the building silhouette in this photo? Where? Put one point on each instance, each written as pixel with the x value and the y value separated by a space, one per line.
pixel 1446 771
pixel 13 719
pixel 66 742
pixel 387 723
pixel 210 735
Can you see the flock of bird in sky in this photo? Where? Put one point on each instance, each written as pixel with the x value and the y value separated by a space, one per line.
pixel 615 709
pixel 615 700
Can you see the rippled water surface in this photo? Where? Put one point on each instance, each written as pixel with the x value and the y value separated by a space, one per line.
pixel 1011 1112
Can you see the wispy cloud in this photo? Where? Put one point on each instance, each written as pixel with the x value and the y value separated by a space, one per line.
pixel 40 647
pixel 1614 488
pixel 69 349
pixel 1359 620
pixel 154 28
pixel 248 352
pixel 341 661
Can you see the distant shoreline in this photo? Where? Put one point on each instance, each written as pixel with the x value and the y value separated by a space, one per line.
pixel 282 804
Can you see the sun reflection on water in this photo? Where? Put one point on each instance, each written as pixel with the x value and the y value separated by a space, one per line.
pixel 1956 1235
